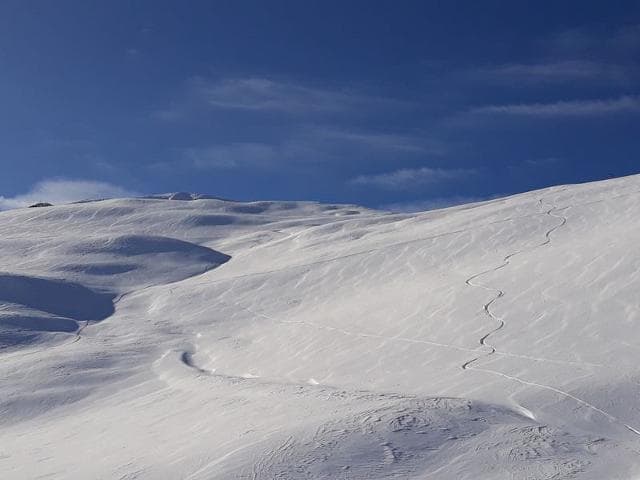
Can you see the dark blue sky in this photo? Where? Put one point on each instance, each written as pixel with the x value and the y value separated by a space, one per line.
pixel 411 103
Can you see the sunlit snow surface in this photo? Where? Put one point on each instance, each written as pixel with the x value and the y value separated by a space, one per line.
pixel 193 338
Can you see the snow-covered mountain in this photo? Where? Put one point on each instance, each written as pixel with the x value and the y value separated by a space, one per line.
pixel 187 337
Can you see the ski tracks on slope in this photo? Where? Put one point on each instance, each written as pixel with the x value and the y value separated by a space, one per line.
pixel 506 261
pixel 498 293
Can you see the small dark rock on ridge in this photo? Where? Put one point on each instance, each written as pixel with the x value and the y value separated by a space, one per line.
pixel 40 204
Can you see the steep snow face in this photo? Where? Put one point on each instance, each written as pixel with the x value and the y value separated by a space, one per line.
pixel 184 336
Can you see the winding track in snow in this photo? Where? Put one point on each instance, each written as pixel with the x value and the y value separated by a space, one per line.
pixel 469 364
pixel 500 293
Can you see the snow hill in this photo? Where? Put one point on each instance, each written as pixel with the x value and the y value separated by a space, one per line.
pixel 188 337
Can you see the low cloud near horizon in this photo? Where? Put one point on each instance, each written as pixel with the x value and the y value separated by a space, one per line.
pixel 410 178
pixel 61 191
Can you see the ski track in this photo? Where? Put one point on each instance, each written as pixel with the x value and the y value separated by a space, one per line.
pixel 469 364
pixel 500 293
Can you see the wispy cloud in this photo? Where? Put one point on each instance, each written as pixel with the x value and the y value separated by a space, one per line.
pixel 307 145
pixel 577 55
pixel 410 178
pixel 623 42
pixel 414 143
pixel 60 191
pixel 258 94
pixel 571 108
pixel 265 94
pixel 565 71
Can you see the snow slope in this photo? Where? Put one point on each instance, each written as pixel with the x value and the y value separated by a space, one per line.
pixel 191 337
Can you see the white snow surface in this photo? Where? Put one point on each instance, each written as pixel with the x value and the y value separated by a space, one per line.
pixel 188 337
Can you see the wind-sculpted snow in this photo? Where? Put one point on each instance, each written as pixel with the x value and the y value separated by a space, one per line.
pixel 131 261
pixel 185 336
pixel 31 307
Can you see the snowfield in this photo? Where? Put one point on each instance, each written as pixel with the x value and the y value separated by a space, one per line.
pixel 186 337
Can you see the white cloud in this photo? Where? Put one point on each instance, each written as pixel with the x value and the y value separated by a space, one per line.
pixel 573 108
pixel 410 178
pixel 60 191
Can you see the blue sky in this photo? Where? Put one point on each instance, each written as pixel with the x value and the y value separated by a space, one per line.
pixel 410 104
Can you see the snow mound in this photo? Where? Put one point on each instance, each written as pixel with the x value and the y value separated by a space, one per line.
pixel 129 261
pixel 133 245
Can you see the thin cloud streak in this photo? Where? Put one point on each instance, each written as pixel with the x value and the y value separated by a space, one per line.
pixel 383 141
pixel 265 95
pixel 572 108
pixel 311 145
pixel 585 71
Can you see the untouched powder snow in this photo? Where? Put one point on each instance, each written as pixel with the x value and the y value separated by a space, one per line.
pixel 184 336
